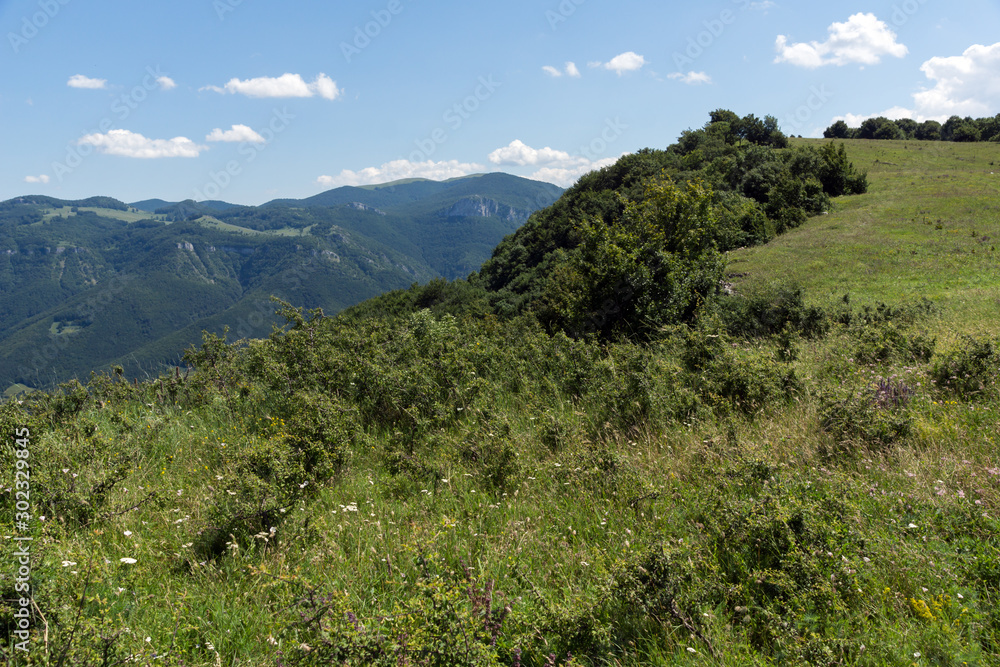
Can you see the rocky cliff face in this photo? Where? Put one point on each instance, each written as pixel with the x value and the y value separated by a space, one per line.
pixel 365 207
pixel 483 207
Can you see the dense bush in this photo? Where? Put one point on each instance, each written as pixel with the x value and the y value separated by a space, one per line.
pixel 768 309
pixel 875 417
pixel 955 128
pixel 615 255
pixel 970 369
pixel 880 343
pixel 448 618
pixel 730 377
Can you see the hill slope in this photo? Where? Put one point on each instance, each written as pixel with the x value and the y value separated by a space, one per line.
pixel 928 227
pixel 769 482
pixel 91 283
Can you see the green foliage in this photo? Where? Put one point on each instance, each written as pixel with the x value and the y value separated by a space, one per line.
pixel 970 370
pixel 873 417
pixel 758 189
pixel 768 309
pixel 734 378
pixel 761 563
pixel 656 267
pixel 448 485
pixel 838 175
pixel 488 452
pixel 88 285
pixel 447 619
pixel 955 128
pixel 883 342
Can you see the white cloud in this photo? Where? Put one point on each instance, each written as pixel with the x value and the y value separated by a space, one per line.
pixel 630 61
pixel 567 176
pixel 286 85
pixel 863 39
pixel 129 144
pixel 401 169
pixel 572 71
pixel 520 154
pixel 691 78
pixel 326 87
pixel 81 81
pixel 762 6
pixel 166 83
pixel 895 113
pixel 556 166
pixel 237 134
pixel 44 178
pixel 965 85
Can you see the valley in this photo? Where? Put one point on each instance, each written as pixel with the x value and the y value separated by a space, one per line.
pixel 97 283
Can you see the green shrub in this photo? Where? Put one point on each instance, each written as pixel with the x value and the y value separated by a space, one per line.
pixel 762 563
pixel 556 431
pixel 322 429
pixel 767 309
pixel 273 471
pixel 625 387
pixel 970 370
pixel 885 342
pixel 58 406
pixel 444 618
pixel 262 481
pixel 489 453
pixel 874 417
pixel 727 376
pixel 74 476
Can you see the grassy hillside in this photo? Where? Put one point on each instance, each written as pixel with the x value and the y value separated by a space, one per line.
pixel 114 214
pixel 786 478
pixel 928 227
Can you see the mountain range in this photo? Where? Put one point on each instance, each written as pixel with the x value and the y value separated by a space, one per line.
pixel 96 283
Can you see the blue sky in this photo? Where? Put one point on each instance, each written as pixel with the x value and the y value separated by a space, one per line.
pixel 250 100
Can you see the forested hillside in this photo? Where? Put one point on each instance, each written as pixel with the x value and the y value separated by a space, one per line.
pixel 85 285
pixel 630 439
pixel 636 246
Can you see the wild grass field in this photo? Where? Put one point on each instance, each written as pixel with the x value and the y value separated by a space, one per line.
pixel 114 214
pixel 827 494
pixel 928 227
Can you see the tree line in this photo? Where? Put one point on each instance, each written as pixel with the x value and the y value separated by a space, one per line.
pixel 955 128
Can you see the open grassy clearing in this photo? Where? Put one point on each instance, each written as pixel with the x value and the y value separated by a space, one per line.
pixel 928 227
pixel 125 216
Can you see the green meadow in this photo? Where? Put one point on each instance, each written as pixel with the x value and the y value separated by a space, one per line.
pixel 805 474
pixel 928 227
